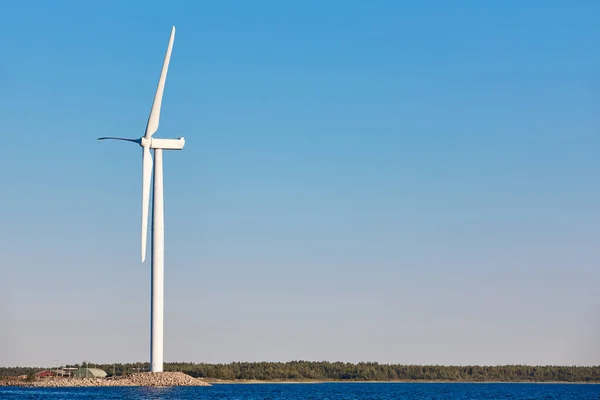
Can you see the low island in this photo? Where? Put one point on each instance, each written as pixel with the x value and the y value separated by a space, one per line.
pixel 203 374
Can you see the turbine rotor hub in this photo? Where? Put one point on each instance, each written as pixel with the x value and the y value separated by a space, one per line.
pixel 145 142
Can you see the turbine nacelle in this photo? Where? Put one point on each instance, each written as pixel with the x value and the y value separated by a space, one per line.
pixel 165 144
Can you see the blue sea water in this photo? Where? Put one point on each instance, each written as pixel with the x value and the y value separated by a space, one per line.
pixel 318 391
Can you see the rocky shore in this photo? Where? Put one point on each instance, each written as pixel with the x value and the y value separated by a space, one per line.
pixel 138 379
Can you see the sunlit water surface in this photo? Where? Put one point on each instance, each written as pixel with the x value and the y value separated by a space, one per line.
pixel 329 391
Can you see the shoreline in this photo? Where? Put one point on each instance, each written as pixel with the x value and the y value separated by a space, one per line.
pixel 90 382
pixel 317 381
pixel 174 379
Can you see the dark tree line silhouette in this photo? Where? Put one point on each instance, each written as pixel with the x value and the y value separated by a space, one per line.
pixel 364 371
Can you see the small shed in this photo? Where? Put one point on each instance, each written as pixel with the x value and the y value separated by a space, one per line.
pixel 90 373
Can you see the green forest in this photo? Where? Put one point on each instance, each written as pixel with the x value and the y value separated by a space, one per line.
pixel 364 371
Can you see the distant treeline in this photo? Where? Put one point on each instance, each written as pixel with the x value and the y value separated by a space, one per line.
pixel 16 371
pixel 364 371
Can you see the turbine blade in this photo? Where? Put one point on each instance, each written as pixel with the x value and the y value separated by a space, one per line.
pixel 119 138
pixel 154 118
pixel 146 176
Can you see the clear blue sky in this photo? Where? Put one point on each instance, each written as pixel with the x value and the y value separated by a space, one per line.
pixel 379 181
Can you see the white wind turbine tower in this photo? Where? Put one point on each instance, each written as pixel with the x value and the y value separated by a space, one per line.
pixel 147 142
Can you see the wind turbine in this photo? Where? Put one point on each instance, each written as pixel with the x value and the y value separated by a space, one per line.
pixel 147 142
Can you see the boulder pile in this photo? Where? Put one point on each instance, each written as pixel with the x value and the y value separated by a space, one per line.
pixel 165 379
pixel 137 379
